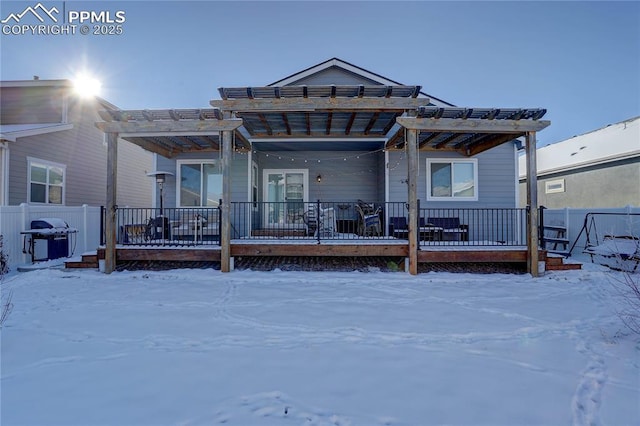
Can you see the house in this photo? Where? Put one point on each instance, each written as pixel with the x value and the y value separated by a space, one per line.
pixel 51 153
pixel 333 160
pixel 597 169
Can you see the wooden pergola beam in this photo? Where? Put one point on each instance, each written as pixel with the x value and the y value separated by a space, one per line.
pixel 167 126
pixel 111 197
pixel 491 143
pixel 225 208
pixel 245 143
pixel 532 203
pixel 286 123
pixel 371 123
pixel 149 145
pixel 315 104
pixel 472 125
pixel 329 120
pixel 265 123
pixel 352 118
pixel 412 198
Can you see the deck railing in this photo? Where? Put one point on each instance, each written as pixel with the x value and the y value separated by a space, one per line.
pixel 321 221
pixel 168 227
pixel 328 220
pixel 475 227
pixel 318 220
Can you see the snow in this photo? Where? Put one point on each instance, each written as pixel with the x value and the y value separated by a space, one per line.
pixel 614 142
pixel 191 347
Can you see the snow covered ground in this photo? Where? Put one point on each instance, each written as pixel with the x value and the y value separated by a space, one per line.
pixel 191 347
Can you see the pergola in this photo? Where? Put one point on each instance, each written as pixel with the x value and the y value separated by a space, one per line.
pixel 395 116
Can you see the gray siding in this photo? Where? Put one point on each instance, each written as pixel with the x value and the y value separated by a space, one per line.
pixel 134 186
pixel 333 75
pixel 496 178
pixel 83 152
pixel 607 185
pixel 342 181
pixel 31 105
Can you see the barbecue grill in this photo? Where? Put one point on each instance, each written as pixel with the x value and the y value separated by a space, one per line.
pixel 48 239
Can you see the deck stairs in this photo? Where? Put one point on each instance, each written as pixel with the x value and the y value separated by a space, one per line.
pixel 88 261
pixel 558 263
pixel 555 240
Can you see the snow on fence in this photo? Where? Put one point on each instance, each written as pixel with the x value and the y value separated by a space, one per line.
pixel 573 220
pixel 14 219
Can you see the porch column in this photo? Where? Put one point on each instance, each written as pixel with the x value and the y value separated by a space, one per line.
pixel 532 202
pixel 412 198
pixel 225 232
pixel 110 220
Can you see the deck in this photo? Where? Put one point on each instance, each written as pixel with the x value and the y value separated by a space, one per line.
pixel 287 248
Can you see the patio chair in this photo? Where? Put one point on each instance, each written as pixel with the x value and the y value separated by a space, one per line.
pixel 368 221
pixel 311 219
pixel 327 223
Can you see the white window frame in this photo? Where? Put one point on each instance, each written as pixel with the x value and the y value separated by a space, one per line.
pixel 179 164
pixel 473 161
pixel 48 164
pixel 548 184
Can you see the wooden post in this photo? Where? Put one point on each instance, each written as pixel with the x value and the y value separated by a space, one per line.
pixel 110 223
pixel 532 202
pixel 412 176
pixel 225 232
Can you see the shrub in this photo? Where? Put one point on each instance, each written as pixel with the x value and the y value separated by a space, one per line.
pixel 7 305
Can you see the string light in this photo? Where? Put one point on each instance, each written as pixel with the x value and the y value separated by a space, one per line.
pixel 358 156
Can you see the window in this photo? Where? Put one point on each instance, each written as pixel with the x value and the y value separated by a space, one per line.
pixel 46 182
pixel 453 180
pixel 554 186
pixel 200 183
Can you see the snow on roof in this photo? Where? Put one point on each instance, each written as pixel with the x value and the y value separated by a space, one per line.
pixel 613 142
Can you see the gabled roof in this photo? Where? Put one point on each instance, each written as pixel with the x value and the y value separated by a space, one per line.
pixel 61 83
pixel 10 132
pixel 354 69
pixel 614 142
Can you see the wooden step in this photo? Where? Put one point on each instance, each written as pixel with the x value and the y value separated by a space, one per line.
pixel 563 253
pixel 89 261
pixel 90 258
pixel 563 267
pixel 81 265
pixel 554 260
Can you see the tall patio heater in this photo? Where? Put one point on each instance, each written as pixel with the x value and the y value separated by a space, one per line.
pixel 160 223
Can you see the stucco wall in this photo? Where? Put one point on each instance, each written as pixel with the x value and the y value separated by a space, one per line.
pixel 607 185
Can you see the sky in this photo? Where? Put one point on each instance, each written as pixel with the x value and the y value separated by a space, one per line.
pixel 579 60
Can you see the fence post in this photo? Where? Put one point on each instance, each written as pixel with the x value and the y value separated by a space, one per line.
pixel 219 221
pixel 541 227
pixel 318 220
pixel 25 212
pixel 102 219
pixel 85 228
pixel 567 224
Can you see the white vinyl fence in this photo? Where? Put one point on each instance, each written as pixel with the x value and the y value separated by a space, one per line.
pixel 620 224
pixel 14 219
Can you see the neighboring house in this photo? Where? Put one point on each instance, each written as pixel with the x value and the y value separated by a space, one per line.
pixel 595 170
pixel 293 160
pixel 52 153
